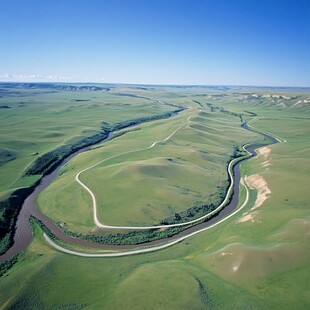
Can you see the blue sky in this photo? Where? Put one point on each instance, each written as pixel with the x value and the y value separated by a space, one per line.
pixel 233 42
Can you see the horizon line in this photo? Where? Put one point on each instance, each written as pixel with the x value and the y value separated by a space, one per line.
pixel 154 84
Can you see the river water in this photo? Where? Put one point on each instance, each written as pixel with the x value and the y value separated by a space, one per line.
pixel 23 232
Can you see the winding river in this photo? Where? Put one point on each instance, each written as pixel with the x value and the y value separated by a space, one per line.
pixel 23 232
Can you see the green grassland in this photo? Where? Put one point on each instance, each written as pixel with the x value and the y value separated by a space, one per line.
pixel 146 186
pixel 259 264
pixel 39 120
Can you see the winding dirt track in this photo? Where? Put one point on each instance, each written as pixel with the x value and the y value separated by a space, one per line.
pixel 150 249
pixel 94 202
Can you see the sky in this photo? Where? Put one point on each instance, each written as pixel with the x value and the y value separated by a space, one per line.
pixel 236 42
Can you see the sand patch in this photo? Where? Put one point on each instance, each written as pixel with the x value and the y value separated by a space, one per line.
pixel 235 267
pixel 299 102
pixel 247 217
pixel 266 163
pixel 264 152
pixel 258 183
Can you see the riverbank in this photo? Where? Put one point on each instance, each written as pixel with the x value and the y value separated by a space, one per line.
pixel 30 209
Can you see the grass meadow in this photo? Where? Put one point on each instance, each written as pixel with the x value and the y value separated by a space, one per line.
pixel 39 120
pixel 262 263
pixel 148 185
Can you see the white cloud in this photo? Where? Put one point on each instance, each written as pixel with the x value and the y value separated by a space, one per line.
pixel 32 78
